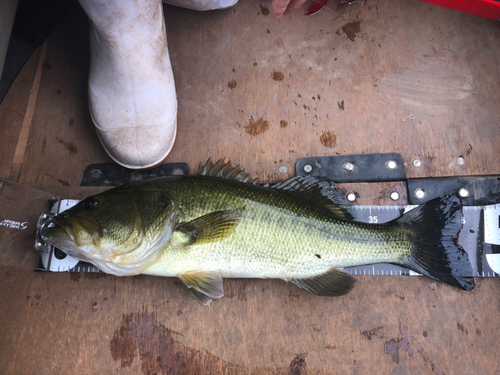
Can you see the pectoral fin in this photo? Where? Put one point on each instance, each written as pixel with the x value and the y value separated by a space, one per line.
pixel 203 285
pixel 332 283
pixel 212 227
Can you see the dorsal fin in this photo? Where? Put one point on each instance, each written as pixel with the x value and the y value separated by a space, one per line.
pixel 319 191
pixel 225 170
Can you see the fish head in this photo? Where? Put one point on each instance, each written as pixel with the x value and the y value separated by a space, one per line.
pixel 122 231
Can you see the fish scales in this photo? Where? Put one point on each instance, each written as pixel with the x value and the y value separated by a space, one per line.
pixel 277 237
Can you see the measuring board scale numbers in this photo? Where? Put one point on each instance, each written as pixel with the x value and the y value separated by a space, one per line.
pixel 480 238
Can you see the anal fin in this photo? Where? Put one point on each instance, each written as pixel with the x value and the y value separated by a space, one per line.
pixel 332 283
pixel 203 285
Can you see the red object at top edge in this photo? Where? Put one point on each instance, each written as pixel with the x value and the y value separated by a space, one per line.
pixel 315 7
pixel 482 8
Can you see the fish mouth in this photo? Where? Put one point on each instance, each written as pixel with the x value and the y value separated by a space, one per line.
pixel 57 228
pixel 62 239
pixel 57 232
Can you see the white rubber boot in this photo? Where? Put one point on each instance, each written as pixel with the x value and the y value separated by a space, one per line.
pixel 202 5
pixel 132 96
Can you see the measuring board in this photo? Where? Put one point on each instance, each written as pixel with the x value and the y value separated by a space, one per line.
pixel 480 238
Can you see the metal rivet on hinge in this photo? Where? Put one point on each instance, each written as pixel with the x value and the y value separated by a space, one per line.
pixel 307 168
pixel 394 195
pixel 463 192
pixel 137 175
pixel 349 166
pixel 392 164
pixel 419 193
pixel 351 197
pixel 95 174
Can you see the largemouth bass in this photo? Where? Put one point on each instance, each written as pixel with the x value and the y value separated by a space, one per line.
pixel 221 224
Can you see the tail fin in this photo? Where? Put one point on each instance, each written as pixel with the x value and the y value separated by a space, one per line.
pixel 434 228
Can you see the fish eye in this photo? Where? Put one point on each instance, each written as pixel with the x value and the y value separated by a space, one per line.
pixel 90 202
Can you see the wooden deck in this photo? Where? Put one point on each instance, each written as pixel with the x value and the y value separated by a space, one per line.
pixel 386 76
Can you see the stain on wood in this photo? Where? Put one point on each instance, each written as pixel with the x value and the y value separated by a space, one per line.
pixel 70 146
pixel 371 332
pixel 352 29
pixel 408 344
pixel 277 76
pixel 392 348
pixel 232 84
pixel 256 127
pixel 59 180
pixel 298 365
pixel 159 350
pixel 264 10
pixel 461 328
pixel 328 139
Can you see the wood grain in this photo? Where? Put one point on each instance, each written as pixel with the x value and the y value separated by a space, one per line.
pixel 265 93
pixel 28 115
pixel 12 111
